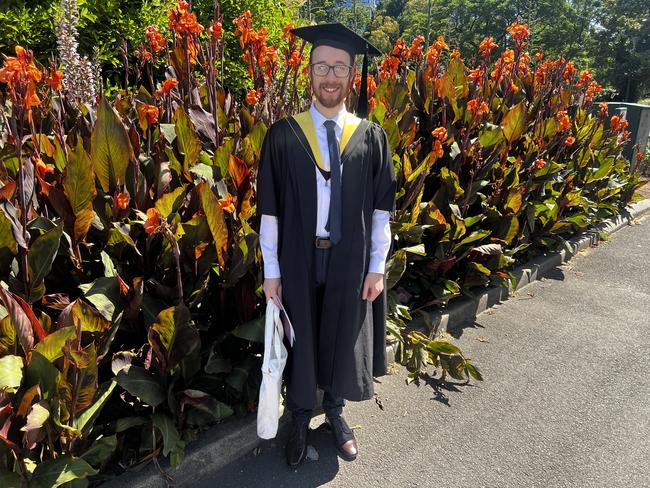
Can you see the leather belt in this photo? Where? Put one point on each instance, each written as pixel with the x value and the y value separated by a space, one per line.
pixel 323 243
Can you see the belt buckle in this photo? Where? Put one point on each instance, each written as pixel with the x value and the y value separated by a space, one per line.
pixel 323 243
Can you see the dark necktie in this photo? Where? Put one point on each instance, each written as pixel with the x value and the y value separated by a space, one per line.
pixel 335 193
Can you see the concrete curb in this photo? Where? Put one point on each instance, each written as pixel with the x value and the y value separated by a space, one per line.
pixel 224 443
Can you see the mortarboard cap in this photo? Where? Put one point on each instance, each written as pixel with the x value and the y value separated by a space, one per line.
pixel 339 36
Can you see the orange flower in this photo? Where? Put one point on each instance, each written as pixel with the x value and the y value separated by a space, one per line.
pixel 508 56
pixel 475 75
pixel 388 67
pixel 486 46
pixel 153 221
pixel 294 60
pixel 538 56
pixel 569 141
pixel 156 40
pixel 244 28
pixel 167 86
pixel 585 78
pixel 539 164
pixel 614 123
pixel 593 90
pixel 604 109
pixel 440 133
pixel 286 31
pixel 252 97
pixel 569 71
pixel 518 31
pixel 400 49
pixel 477 109
pixel 20 69
pixel 182 20
pixel 198 250
pixel 122 200
pixel 55 80
pixel 416 49
pixel 216 31
pixel 43 168
pixel 228 203
pixel 148 114
pixel 437 149
pixel 372 103
pixel 455 54
pixel 563 119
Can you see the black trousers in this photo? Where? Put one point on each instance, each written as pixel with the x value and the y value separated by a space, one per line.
pixel 333 406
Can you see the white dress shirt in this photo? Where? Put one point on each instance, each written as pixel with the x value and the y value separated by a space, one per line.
pixel 380 235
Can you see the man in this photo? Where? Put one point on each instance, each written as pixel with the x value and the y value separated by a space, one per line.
pixel 325 188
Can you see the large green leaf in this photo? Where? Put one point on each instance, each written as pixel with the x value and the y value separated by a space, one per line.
pixel 110 147
pixel 85 419
pixel 170 202
pixel 22 323
pixel 514 123
pixel 79 188
pixel 252 330
pixel 83 314
pixel 216 221
pixel 104 294
pixel 40 371
pixel 177 334
pixel 101 450
pixel 52 346
pixel 142 384
pixel 188 142
pixel 42 253
pixel 55 472
pixel 171 437
pixel 11 372
pixel 395 268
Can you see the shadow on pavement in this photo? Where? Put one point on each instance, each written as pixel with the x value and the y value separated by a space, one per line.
pixel 268 467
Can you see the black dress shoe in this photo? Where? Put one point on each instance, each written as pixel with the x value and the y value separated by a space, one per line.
pixel 346 443
pixel 297 444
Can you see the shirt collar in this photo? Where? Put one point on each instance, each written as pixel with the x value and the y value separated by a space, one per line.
pixel 319 118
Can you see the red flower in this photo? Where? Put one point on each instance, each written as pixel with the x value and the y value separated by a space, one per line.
pixel 416 49
pixel 604 109
pixel 148 114
pixel 216 31
pixel 539 164
pixel 43 168
pixel 477 109
pixel 518 31
pixel 486 46
pixel 156 40
pixel 286 31
pixel 437 149
pixel 563 119
pixel 585 78
pixel 122 200
pixel 252 97
pixel 569 141
pixel 55 80
pixel 569 71
pixel 153 222
pixel 167 86
pixel 388 67
pixel 440 133
pixel 228 203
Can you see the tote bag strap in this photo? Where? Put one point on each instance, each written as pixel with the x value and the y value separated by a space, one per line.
pixel 272 327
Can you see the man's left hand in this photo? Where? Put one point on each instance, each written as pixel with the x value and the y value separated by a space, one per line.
pixel 372 286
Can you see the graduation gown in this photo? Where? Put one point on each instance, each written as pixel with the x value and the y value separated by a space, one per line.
pixel 348 349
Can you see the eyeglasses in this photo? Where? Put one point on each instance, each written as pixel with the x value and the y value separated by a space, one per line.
pixel 322 69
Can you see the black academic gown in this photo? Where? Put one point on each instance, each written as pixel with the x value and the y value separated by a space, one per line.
pixel 349 349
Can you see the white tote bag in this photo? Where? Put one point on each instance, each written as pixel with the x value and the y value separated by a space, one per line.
pixel 275 357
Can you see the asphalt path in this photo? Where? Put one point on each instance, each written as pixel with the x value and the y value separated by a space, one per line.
pixel 565 401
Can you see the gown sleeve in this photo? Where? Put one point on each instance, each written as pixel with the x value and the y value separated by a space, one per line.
pixel 385 184
pixel 268 177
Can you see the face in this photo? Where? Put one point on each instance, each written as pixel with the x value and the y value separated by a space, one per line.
pixel 329 90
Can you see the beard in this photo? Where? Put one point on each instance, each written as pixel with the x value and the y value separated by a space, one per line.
pixel 330 100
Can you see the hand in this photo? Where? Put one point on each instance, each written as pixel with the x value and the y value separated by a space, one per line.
pixel 273 290
pixel 372 286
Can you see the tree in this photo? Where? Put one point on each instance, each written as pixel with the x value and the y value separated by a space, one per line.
pixel 622 34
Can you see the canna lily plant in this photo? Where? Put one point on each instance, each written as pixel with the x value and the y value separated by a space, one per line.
pixel 129 263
